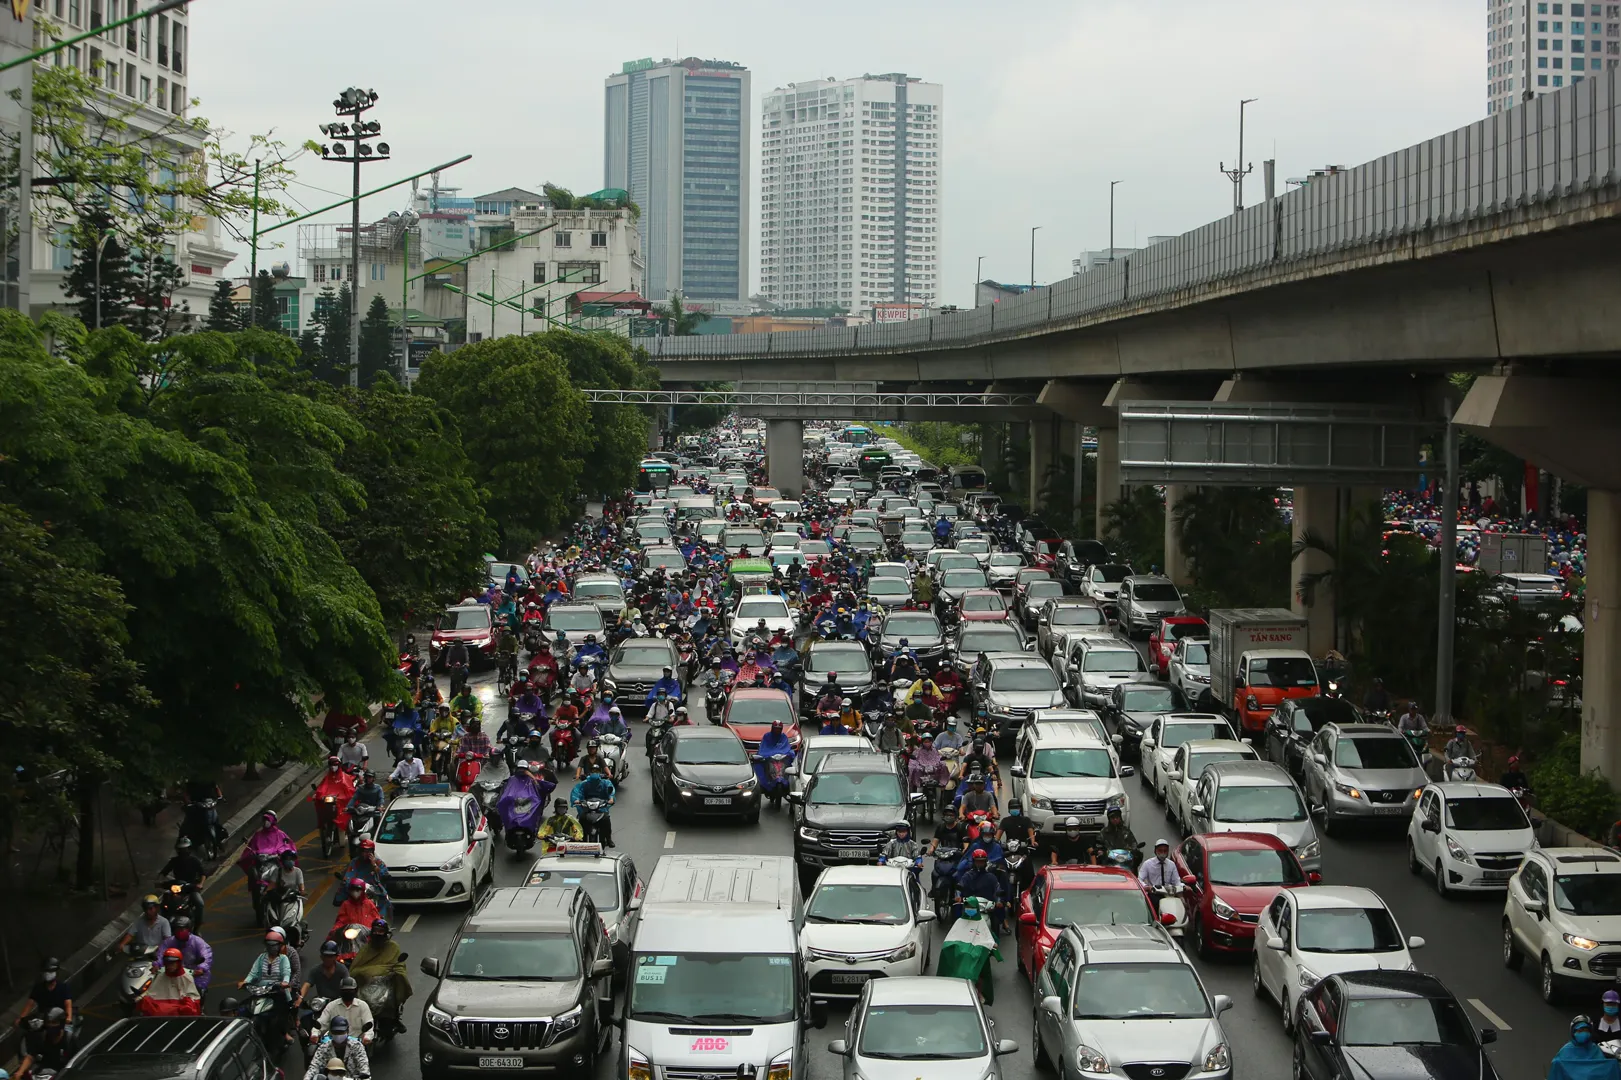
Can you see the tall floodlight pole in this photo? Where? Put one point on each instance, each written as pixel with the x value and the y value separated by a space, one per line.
pixel 1239 170
pixel 1112 184
pixel 1033 229
pixel 348 144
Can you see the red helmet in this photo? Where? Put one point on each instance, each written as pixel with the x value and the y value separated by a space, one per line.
pixel 357 883
pixel 980 853
pixel 173 955
pixel 368 844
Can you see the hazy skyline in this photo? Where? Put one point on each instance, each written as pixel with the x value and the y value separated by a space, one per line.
pixel 1041 111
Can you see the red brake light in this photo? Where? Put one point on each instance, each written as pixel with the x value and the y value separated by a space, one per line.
pixel 1167 918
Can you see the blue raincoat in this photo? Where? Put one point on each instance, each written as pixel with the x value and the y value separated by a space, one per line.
pixel 1583 1061
pixel 772 743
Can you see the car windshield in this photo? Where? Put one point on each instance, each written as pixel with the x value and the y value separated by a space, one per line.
pixel 1175 735
pixel 750 538
pixel 1198 763
pixel 1496 814
pixel 1156 593
pixel 710 752
pixel 963 579
pixel 1138 992
pixel 911 625
pixel 516 957
pixel 974 546
pixel 1006 559
pixel 856 789
pixel 1112 573
pixel 1588 894
pixel 1196 655
pixel 421 825
pixel 1373 752
pixel 844 657
pixel 814 547
pixel 884 905
pixel 1113 661
pixel 1282 672
pixel 956 560
pixel 815 754
pixel 669 560
pixel 591 590
pixel 1078 615
pixel 1042 589
pixel 1347 930
pixel 586 620
pixel 602 885
pixel 887 586
pixel 761 710
pixel 1098 907
pixel 992 640
pixel 645 654
pixel 840 493
pixel 922 1033
pixel 985 601
pixel 466 618
pixel 1406 1022
pixel 1070 761
pixel 762 607
pixel 917 536
pixel 1178 631
pixel 865 536
pixel 1251 803
pixel 726 988
pixel 1312 713
pixel 653 530
pixel 1255 866
pixel 1156 699
pixel 498 571
pixel 1030 679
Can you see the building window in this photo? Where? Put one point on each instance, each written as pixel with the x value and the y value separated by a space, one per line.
pixel 163 41
pixel 73 57
pixel 580 273
pixel 318 273
pixel 1576 46
pixel 130 30
pixel 379 272
pixel 75 12
pixel 95 15
pixel 1558 63
pixel 1578 64
pixel 563 239
pixel 1542 80
pixel 162 101
pixel 1542 61
pixel 1542 26
pixel 540 273
pixel 1578 9
pixel 146 38
pixel 62 250
pixel 1559 80
pixel 146 89
pixel 336 273
pixel 599 239
pixel 1542 43
pixel 129 80
pixel 177 99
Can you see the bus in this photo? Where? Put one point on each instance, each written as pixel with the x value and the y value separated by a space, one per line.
pixel 965 478
pixel 873 460
pixel 856 435
pixel 654 475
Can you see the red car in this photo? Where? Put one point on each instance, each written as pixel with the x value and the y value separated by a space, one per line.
pixel 1231 878
pixel 982 605
pixel 1063 896
pixel 469 624
pixel 750 711
pixel 1171 629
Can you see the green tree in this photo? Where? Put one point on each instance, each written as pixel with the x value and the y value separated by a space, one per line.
pixel 1136 527
pixel 376 343
pixel 680 320
pixel 524 426
pixel 152 314
pixel 329 320
pixel 1236 545
pixel 618 433
pixel 100 278
pixel 222 313
pixel 262 304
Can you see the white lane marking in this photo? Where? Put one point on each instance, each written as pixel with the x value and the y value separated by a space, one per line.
pixel 410 921
pixel 1498 1021
pixel 669 839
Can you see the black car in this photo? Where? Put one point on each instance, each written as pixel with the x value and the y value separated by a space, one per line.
pixel 704 771
pixel 639 663
pixel 922 632
pixel 1074 556
pixel 1131 708
pixel 175 1048
pixel 848 660
pixel 847 810
pixel 1296 722
pixel 1388 1025
pixel 528 985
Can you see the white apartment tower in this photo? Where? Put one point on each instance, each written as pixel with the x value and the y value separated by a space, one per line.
pixel 1543 45
pixel 850 193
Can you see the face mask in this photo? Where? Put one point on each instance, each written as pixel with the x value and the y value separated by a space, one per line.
pixel 1581 1038
pixel 1611 1010
pixel 182 935
pixel 340 1041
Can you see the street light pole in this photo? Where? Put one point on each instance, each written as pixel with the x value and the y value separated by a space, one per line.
pixel 1239 170
pixel 101 244
pixel 1033 229
pixel 977 279
pixel 1112 183
pixel 352 103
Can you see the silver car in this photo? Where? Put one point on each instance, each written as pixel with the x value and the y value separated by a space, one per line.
pixel 1362 771
pixel 1144 600
pixel 1255 797
pixel 1123 1001
pixel 915 1025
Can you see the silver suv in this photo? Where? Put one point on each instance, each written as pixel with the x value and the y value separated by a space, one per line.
pixel 1144 600
pixel 1123 1001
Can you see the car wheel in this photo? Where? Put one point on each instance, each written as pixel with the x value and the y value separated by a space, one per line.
pixel 1441 888
pixel 1413 865
pixel 1038 1053
pixel 1512 959
pixel 1550 990
pixel 1256 985
pixel 1331 825
pixel 1288 1015
pixel 1297 1066
pixel 669 811
pixel 1201 944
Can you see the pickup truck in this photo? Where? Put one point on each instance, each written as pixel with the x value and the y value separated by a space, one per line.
pixel 1257 659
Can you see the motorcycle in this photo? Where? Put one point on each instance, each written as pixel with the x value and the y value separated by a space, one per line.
pixel 942 883
pixel 655 733
pixel 612 748
pixel 378 994
pixel 715 702
pixel 264 1007
pixel 259 885
pixel 1461 769
pixel 565 741
pixel 136 976
pixel 200 823
pixel 307 1016
pixel 349 939
pixel 1419 740
pixel 180 898
pixel 362 826
pixel 1173 911
pixel 285 908
pixel 828 720
pixel 488 791
pixel 468 766
pixel 1015 857
pixel 776 778
pixel 440 747
pixel 593 812
pixel 326 817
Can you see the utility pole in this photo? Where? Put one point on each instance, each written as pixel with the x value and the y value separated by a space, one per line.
pixel 1239 170
pixel 978 277
pixel 1112 184
pixel 348 144
pixel 1033 229
pixel 1446 609
pixel 405 301
pixel 253 260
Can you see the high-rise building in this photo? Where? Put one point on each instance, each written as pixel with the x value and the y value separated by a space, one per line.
pixel 850 193
pixel 676 138
pixel 1532 48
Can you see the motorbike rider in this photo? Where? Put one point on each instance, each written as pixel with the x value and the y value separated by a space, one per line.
pixel 195 953
pixel 1116 835
pixel 591 762
pixel 888 738
pixel 597 786
pixel 340 785
pixel 187 867
pixel 1514 777
pixel 1160 872
pixel 268 839
pixel 380 957
pixel 923 698
pixel 336 1045
pixel 923 588
pixel 1459 745
pixel 457 663
pixel 347 1008
pixel 172 981
pixel 47 1046
pixel 370 869
pixel 902 844
pixel 849 717
pixel 562 824
pixel 614 724
pixel 772 743
pixel 466 702
pixel 271 968
pixel 476 744
pixel 1412 721
pixel 1017 826
pixel 926 764
pixel 367 793
pixel 981 881
pixel 50 992
pixel 357 909
pixel 667 684
pixel 150 929
pixel 325 980
pixel 662 708
pixel 1609 1021
pixel 1067 847
pixel 976 798
pixel 353 753
pixel 829 696
pixel 1581 1058
pixel 1377 699
pixel 409 768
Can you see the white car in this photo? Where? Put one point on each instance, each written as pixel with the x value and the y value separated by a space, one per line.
pixel 1469 836
pixel 751 609
pixel 1563 910
pixel 1306 934
pixel 1166 734
pixel 784 541
pixel 1098 666
pixel 1189 668
pixel 861 923
pixel 1188 763
pixel 1102 581
pixel 437 848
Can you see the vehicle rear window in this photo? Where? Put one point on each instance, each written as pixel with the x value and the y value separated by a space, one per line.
pixel 420 825
pixel 1373 752
pixel 1155 699
pixel 1485 815
pixel 1077 615
pixel 1255 866
pixel 1175 735
pixel 1347 930
pixel 1112 661
pixel 1156 593
pixel 1094 907
pixel 466 619
pixel 1024 679
pixel 761 710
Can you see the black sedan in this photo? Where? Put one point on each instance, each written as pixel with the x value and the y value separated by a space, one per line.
pixel 704 771
pixel 1295 723
pixel 1388 1025
pixel 1131 709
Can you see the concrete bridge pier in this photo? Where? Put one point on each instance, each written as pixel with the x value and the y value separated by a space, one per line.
pixel 1108 477
pixel 785 456
pixel 1176 564
pixel 1043 456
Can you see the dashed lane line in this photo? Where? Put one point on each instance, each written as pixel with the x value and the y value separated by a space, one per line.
pixel 1497 1021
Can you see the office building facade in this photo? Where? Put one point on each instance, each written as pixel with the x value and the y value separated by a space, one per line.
pixel 1532 48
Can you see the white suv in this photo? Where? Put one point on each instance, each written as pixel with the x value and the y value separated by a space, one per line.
pixel 1563 910
pixel 1468 835
pixel 1064 770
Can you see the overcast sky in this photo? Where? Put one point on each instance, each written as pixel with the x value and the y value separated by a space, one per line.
pixel 1045 101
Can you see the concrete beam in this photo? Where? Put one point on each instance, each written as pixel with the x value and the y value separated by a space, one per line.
pixel 1081 402
pixel 1568 426
pixel 785 456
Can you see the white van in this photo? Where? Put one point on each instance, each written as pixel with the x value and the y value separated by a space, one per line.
pixel 715 983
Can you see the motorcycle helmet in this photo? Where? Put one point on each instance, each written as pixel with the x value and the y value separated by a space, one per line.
pixel 367 844
pixel 332 763
pixel 408 749
pixel 181 926
pixel 357 885
pixel 776 724
pixel 379 930
pixel 182 845
pixel 902 827
pixel 274 940
pixel 846 702
pixel 1014 806
pixel 150 900
pixel 1114 812
pixel 268 818
pixel 980 857
pixel 174 956
pixel 329 948
pixel 1460 730
pixel 559 805
pixel 1161 843
pixel 57 1017
pixel 348 988
pixel 1583 1024
pixel 593 744
pixel 289 858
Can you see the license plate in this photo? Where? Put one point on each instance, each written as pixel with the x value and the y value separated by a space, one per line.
pixel 485 1062
pixel 854 853
pixel 1496 875
pixel 718 802
pixel 1083 819
pixel 1389 809
pixel 855 978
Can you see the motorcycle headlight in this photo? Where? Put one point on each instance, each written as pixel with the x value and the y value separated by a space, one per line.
pixel 455 863
pixel 1457 852
pixel 565 1023
pixel 1309 850
pixel 441 1022
pixel 813 836
pixel 1222 909
pixel 781 1067
pixel 1089 1060
pixel 905 952
pixel 137 971
pixel 1037 802
pixel 1218 1058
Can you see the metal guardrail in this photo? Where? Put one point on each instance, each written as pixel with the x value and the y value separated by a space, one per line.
pixel 811 399
pixel 1559 144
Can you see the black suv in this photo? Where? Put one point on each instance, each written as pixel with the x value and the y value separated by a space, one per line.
pixel 1131 709
pixel 528 985
pixel 175 1048
pixel 847 810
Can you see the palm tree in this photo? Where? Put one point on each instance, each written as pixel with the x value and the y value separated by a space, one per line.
pixel 681 320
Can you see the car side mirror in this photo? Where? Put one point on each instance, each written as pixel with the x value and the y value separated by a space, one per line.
pixel 1126 771
pixel 1313 877
pixel 430 966
pixel 1172 774
pixel 1488 1035
pixel 1321 1037
pixel 1319 760
pixel 1006 1046
pixel 602 968
pixel 1189 879
pixel 1148 744
pixel 925 915
pixel 1275 943
pixel 1052 1006
pixel 1429 826
pixel 797 798
pixel 1415 942
pixel 1538 908
pixel 1197 809
pixel 1027 918
pixel 633 904
pixel 1222 1003
pixel 1238 682
pixel 661 759
pixel 839 1047
pixel 1017 770
pixel 482 834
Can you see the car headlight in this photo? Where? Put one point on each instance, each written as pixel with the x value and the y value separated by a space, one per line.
pixel 905 952
pixel 749 785
pixel 1118 801
pixel 1089 1060
pixel 441 1022
pixel 1197 677
pixel 564 1023
pixel 1457 852
pixel 1309 850
pixel 1037 802
pixel 1417 792
pixel 1130 727
pixel 1347 789
pixel 1222 909
pixel 814 836
pixel 680 783
pixel 455 863
pixel 637 1066
pixel 1218 1058
pixel 781 1067
pixel 1576 941
pixel 1309 978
